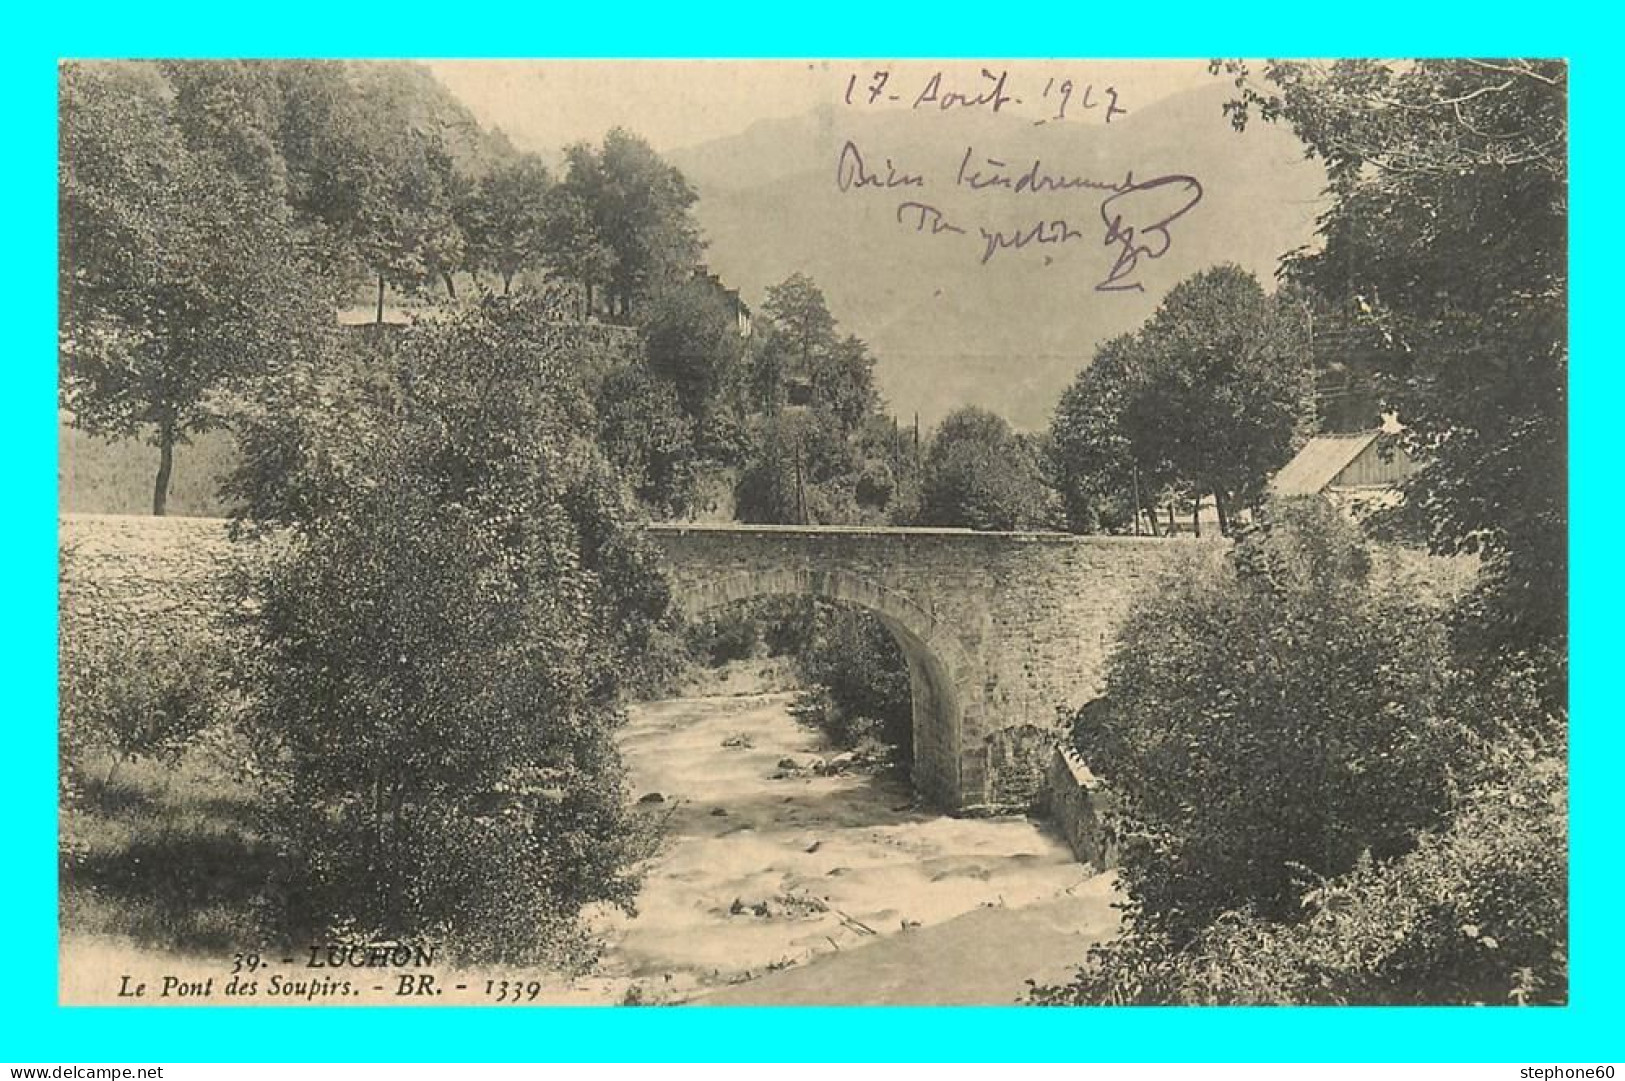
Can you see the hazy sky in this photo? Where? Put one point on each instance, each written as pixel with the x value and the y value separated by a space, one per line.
pixel 545 104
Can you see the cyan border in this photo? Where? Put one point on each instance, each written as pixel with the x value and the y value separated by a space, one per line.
pixel 32 1027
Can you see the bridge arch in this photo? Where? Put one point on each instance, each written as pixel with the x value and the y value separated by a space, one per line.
pixel 941 674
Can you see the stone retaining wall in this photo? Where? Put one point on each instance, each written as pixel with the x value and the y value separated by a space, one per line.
pixel 1077 802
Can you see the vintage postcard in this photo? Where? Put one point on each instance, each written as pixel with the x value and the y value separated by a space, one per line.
pixel 803 532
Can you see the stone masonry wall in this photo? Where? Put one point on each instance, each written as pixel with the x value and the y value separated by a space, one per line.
pixel 1077 803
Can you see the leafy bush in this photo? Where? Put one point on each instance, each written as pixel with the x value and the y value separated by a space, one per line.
pixel 789 624
pixel 1316 805
pixel 730 634
pixel 875 486
pixel 666 661
pixel 461 600
pixel 1271 715
pixel 643 430
pixel 1477 913
pixel 137 692
pixel 978 474
pixel 780 626
pixel 802 469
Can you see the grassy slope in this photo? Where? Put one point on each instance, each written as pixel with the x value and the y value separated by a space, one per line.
pixel 166 856
pixel 97 476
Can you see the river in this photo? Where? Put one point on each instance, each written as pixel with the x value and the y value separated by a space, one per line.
pixel 778 886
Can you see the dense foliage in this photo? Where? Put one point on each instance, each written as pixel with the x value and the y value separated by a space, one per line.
pixel 135 692
pixel 1476 912
pixel 161 320
pixel 215 214
pixel 1316 802
pixel 1273 714
pixel 820 450
pixel 642 427
pixel 1399 834
pixel 443 644
pixel 504 219
pixel 343 183
pixel 1433 167
pixel 619 221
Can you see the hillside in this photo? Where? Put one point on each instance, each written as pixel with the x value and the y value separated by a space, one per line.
pixel 1008 335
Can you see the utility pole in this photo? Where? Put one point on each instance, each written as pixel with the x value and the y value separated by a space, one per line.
pixel 801 491
pixel 1136 467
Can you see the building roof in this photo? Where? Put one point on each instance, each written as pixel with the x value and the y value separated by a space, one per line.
pixel 1320 461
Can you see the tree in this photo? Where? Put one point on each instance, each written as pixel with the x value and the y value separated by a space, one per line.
pixel 822 458
pixel 1444 248
pixel 1109 464
pixel 643 428
pixel 800 343
pixel 843 382
pixel 162 316
pixel 404 229
pixel 575 250
pixel 692 341
pixel 371 152
pixel 1230 377
pixel 1447 885
pixel 801 471
pixel 1475 915
pixel 622 219
pixel 797 309
pixel 458 599
pixel 236 109
pixel 1208 397
pixel 505 218
pixel 981 475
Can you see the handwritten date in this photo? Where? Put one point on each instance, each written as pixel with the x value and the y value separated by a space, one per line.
pixel 1060 98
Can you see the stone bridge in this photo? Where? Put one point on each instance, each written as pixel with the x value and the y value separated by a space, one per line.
pixel 1001 630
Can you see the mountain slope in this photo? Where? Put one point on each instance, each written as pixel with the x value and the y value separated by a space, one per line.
pixel 1011 332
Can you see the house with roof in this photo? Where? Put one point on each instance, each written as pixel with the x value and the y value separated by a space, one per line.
pixel 1357 470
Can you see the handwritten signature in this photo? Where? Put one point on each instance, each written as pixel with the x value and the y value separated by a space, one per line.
pixel 1147 203
pixel 1136 214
